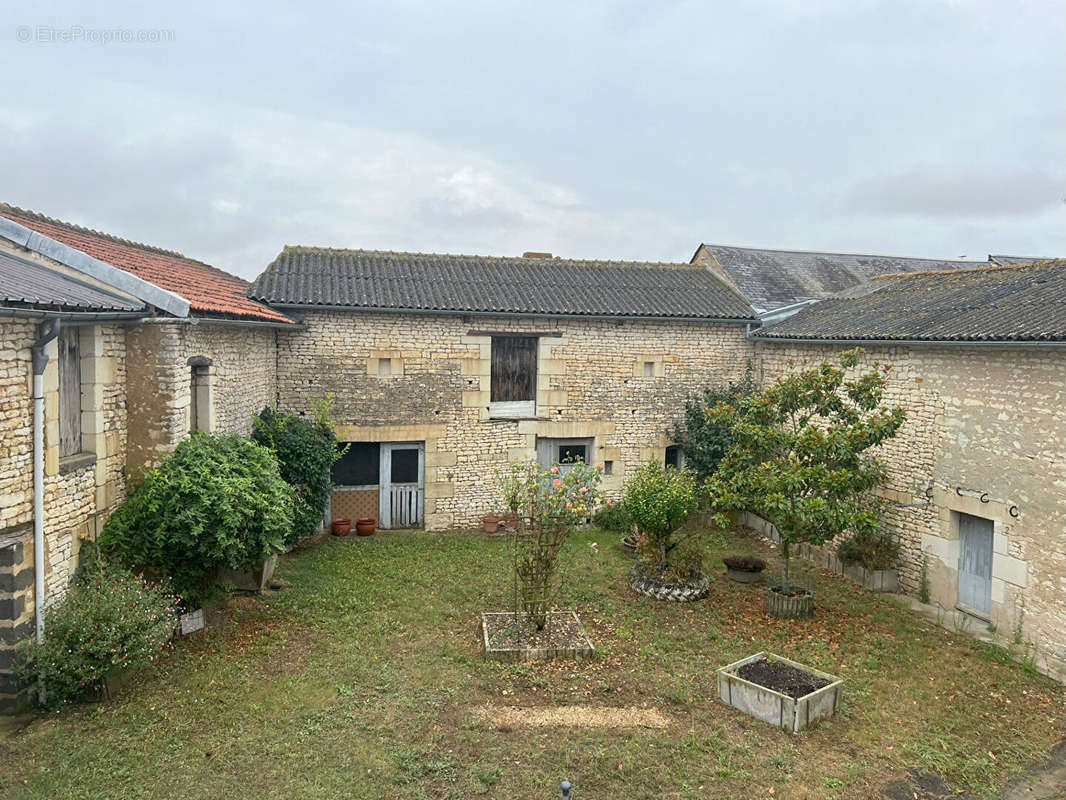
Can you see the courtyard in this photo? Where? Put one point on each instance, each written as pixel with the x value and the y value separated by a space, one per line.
pixel 362 677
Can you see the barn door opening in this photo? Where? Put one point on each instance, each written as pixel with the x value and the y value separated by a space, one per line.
pixel 402 496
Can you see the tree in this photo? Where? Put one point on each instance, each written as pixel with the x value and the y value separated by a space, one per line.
pixel 801 456
pixel 659 501
pixel 705 443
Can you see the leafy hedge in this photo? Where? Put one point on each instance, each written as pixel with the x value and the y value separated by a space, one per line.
pixel 217 501
pixel 108 621
pixel 306 450
pixel 703 442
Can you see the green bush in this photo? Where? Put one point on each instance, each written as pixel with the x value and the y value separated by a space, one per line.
pixel 659 501
pixel 217 501
pixel 873 549
pixel 703 442
pixel 613 518
pixel 306 450
pixel 108 621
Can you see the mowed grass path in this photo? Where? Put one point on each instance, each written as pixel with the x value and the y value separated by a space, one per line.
pixel 359 680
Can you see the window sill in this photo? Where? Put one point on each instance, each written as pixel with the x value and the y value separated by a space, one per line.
pixel 78 461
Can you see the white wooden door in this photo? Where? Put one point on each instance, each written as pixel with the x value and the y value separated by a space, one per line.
pixel 401 498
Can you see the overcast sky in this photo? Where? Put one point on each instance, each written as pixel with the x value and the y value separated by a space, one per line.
pixel 629 130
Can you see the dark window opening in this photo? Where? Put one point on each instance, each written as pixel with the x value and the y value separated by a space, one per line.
pixel 673 456
pixel 572 454
pixel 360 466
pixel 608 467
pixel 514 369
pixel 405 466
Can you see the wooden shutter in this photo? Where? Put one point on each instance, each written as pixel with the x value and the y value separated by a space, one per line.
pixel 514 369
pixel 69 392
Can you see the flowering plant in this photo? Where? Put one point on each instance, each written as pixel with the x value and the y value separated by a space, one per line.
pixel 547 503
pixel 111 620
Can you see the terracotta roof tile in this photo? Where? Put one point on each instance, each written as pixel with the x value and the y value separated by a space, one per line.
pixel 209 290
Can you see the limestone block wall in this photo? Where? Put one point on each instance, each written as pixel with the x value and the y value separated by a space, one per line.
pixel 241 376
pixel 590 384
pixel 79 491
pixel 985 435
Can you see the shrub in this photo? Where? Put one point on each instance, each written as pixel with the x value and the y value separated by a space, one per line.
pixel 306 450
pixel 659 501
pixel 548 503
pixel 108 621
pixel 703 442
pixel 870 548
pixel 613 518
pixel 217 501
pixel 799 456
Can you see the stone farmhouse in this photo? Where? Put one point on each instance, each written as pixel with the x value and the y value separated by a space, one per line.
pixel 442 368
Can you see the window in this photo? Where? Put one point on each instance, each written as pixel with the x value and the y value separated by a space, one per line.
pixel 572 454
pixel 514 376
pixel 649 369
pixel 359 466
pixel 673 456
pixel 384 367
pixel 69 392
pixel 608 468
pixel 201 410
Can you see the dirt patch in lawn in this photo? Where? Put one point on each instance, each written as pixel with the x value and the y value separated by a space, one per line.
pixel 507 717
pixel 782 677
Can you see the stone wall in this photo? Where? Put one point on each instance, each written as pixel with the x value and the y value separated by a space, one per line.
pixel 79 491
pixel 590 384
pixel 985 435
pixel 240 372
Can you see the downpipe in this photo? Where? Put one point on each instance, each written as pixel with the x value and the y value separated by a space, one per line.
pixel 46 332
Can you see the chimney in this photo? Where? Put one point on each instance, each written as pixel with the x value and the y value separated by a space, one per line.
pixel 532 254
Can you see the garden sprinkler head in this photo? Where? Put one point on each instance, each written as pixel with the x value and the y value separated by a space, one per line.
pixel 565 786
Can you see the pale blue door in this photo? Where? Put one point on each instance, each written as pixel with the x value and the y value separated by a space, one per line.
pixel 975 563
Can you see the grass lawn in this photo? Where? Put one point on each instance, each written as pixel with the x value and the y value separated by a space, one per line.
pixel 361 679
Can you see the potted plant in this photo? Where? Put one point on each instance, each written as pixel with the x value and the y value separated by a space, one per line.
pixel 744 569
pixel 340 527
pixel 659 501
pixel 799 460
pixel 490 523
pixel 365 526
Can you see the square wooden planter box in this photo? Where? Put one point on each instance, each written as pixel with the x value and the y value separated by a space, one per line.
pixel 776 708
pixel 574 645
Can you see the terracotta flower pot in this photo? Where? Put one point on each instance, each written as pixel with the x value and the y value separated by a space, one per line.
pixel 491 523
pixel 366 526
pixel 340 527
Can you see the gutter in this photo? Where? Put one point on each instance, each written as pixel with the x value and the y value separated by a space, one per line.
pixel 243 323
pixel 510 314
pixel 73 317
pixel 46 332
pixel 905 342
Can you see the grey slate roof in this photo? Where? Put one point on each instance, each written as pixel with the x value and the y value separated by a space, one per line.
pixel 774 278
pixel 987 304
pixel 374 279
pixel 24 284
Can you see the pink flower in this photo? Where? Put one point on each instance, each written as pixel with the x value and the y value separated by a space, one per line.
pixel 557 482
pixel 599 465
pixel 583 489
pixel 594 545
pixel 555 470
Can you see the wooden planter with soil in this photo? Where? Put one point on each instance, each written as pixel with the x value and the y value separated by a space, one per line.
pixel 510 637
pixel 779 691
pixel 797 603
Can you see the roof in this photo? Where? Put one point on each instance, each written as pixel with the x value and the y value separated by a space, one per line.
pixel 988 304
pixel 24 284
pixel 209 290
pixel 385 280
pixel 774 278
pixel 1008 260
